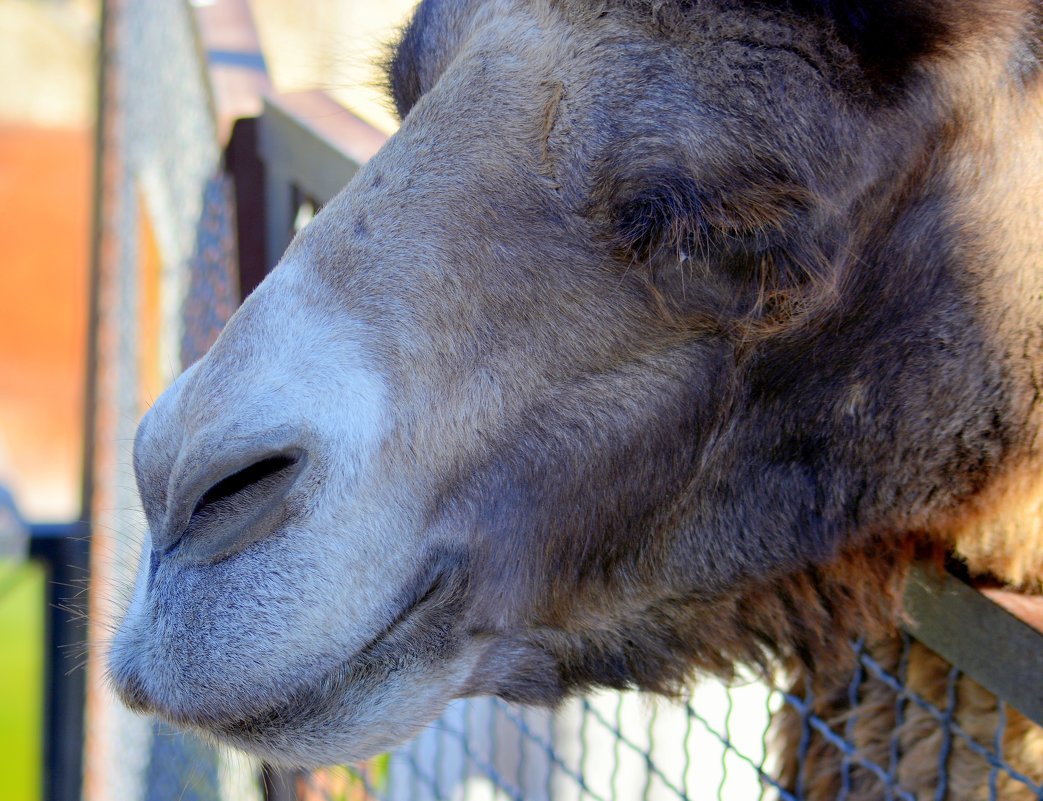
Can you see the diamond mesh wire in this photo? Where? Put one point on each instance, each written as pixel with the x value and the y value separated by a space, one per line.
pixel 166 224
pixel 903 726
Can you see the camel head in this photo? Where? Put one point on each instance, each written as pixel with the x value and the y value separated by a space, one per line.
pixel 646 309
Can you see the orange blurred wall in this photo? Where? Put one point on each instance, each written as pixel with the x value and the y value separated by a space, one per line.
pixel 45 177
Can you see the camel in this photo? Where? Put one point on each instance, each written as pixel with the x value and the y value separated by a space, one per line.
pixel 661 340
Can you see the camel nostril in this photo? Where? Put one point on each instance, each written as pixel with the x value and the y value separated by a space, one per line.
pixel 239 508
pixel 249 484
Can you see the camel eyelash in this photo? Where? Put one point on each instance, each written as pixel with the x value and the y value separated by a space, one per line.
pixel 676 217
pixel 662 214
pixel 673 213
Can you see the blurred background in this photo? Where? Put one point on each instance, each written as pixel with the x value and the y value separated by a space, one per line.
pixel 49 53
pixel 47 57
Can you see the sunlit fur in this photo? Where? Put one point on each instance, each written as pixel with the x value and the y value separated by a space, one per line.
pixel 659 339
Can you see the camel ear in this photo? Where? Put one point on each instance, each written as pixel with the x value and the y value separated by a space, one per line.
pixel 890 37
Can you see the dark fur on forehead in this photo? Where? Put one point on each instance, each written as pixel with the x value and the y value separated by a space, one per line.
pixel 888 37
pixel 423 49
pixel 402 69
pixel 891 36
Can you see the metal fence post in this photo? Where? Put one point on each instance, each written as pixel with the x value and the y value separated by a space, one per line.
pixel 63 550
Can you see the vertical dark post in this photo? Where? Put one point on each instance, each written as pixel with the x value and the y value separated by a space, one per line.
pixel 243 163
pixel 63 551
pixel 280 210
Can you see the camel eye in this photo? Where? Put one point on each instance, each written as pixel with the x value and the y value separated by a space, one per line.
pixel 664 215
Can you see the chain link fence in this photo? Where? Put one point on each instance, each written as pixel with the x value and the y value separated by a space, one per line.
pixel 165 282
pixel 904 724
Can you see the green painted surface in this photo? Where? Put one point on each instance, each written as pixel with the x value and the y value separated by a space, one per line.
pixel 21 681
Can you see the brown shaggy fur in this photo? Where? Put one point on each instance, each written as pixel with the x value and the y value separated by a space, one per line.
pixel 917 738
pixel 926 74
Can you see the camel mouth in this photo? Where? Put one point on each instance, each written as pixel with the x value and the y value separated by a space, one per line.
pixel 432 609
pixel 424 625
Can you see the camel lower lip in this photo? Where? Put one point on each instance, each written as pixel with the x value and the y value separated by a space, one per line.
pixel 323 693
